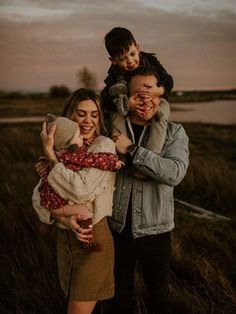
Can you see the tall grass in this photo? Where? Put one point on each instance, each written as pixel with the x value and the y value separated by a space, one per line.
pixel 203 272
pixel 212 172
pixel 29 281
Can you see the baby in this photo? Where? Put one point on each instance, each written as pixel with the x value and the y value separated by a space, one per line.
pixel 71 150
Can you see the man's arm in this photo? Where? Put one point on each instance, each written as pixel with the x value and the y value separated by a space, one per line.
pixel 170 168
pixel 105 94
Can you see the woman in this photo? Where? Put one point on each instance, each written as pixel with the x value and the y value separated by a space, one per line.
pixel 85 276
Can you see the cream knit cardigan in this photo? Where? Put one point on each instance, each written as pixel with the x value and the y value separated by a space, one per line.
pixel 92 186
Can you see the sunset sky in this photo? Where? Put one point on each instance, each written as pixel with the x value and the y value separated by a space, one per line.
pixel 45 42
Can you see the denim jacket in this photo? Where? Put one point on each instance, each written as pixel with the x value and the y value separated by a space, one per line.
pixel 152 200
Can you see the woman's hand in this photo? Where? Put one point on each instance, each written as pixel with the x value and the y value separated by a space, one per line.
pixel 70 222
pixel 70 215
pixel 80 210
pixel 48 142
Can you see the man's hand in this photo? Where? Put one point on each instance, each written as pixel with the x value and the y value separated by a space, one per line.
pixel 122 142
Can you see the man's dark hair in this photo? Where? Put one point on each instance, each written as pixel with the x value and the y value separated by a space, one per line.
pixel 118 40
pixel 145 70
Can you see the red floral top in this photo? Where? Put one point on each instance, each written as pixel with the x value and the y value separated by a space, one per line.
pixel 74 159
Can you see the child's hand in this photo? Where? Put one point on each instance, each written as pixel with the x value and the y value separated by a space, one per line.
pixel 144 99
pixel 119 164
pixel 151 89
pixel 84 235
pixel 135 103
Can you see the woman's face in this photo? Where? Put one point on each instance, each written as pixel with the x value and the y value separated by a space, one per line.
pixel 87 117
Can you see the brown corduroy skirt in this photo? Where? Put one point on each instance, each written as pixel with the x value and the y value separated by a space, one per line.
pixel 85 274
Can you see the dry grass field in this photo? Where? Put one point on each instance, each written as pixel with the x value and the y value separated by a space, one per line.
pixel 203 272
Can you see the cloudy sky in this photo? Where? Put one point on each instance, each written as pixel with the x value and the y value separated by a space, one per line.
pixel 45 42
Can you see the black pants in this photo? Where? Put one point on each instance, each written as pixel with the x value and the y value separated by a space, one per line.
pixel 153 254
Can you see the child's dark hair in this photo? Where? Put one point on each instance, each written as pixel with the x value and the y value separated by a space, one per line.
pixel 118 40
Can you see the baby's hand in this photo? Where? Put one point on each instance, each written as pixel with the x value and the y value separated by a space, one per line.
pixel 119 164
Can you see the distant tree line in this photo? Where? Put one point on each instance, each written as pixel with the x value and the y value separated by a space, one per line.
pixel 201 95
pixel 85 78
pixel 59 91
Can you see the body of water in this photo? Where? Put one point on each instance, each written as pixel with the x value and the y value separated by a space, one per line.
pixel 219 112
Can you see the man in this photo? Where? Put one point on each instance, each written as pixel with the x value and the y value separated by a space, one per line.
pixel 143 206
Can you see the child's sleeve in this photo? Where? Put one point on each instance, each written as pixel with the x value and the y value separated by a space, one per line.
pixel 43 214
pixel 115 99
pixel 107 102
pixel 165 78
pixel 103 161
pixel 81 158
pixel 49 199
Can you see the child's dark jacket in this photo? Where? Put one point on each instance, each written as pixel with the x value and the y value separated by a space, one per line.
pixel 115 73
